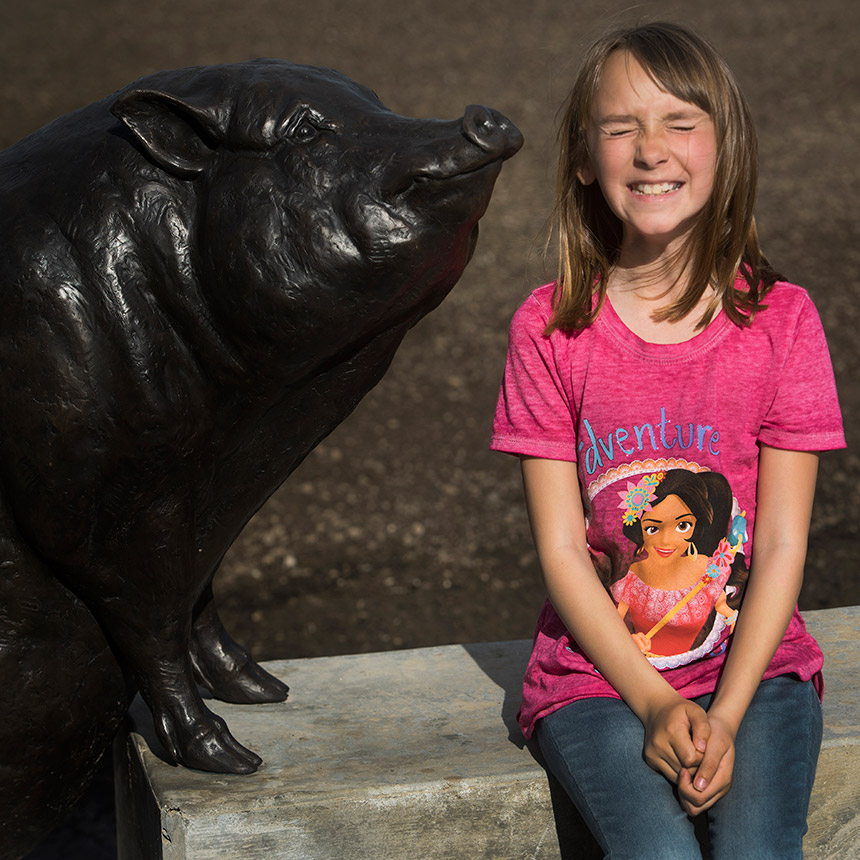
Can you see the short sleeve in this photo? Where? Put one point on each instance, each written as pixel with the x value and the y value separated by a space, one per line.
pixel 534 414
pixel 804 414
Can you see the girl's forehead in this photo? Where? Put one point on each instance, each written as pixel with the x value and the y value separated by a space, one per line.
pixel 624 82
pixel 623 74
pixel 626 87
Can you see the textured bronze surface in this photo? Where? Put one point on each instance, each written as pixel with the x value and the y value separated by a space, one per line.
pixel 201 277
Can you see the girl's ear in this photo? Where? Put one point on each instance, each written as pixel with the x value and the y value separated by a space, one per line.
pixel 585 174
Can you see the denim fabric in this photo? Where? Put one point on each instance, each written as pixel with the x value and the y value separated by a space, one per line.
pixel 594 748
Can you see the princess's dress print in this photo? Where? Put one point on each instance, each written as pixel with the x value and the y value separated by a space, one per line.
pixel 678 567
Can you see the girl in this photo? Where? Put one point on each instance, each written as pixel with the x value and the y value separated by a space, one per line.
pixel 668 343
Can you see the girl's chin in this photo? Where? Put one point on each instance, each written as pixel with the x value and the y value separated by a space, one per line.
pixel 656 231
pixel 657 235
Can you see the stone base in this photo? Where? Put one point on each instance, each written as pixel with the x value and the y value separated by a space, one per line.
pixel 416 754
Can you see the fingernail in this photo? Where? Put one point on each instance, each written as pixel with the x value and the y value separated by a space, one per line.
pixel 701 783
pixel 701 745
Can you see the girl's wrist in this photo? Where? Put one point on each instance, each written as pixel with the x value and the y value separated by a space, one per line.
pixel 654 702
pixel 729 715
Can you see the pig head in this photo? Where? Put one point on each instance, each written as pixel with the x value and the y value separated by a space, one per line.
pixel 201 276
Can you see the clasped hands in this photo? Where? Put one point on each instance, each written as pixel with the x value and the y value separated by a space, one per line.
pixel 693 749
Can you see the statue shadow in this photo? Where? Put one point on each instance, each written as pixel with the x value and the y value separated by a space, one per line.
pixel 88 829
pixel 504 663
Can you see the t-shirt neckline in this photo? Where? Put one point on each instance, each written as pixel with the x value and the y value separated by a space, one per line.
pixel 703 340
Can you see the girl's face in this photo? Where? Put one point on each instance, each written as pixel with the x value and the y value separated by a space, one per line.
pixel 667 528
pixel 653 155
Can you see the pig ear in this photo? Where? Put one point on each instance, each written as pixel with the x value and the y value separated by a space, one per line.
pixel 178 136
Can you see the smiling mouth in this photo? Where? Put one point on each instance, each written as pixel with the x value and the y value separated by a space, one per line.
pixel 654 190
pixel 663 553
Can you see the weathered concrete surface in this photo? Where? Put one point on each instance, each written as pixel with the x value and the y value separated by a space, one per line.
pixel 416 753
pixel 834 821
pixel 398 754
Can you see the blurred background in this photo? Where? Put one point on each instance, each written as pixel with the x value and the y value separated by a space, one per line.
pixel 401 529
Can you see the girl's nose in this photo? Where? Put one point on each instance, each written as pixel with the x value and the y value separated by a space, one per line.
pixel 651 151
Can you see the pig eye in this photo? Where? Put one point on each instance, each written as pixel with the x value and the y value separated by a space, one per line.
pixel 305 131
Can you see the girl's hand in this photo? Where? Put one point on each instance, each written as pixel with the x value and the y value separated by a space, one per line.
pixel 676 737
pixel 700 788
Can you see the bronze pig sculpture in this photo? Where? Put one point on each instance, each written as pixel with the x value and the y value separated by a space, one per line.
pixel 200 277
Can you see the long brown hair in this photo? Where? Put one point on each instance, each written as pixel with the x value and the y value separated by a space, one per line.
pixel 723 242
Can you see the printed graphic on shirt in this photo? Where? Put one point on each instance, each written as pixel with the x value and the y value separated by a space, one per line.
pixel 680 569
pixel 662 435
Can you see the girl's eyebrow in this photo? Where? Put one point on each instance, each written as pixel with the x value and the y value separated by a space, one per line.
pixel 692 113
pixel 615 118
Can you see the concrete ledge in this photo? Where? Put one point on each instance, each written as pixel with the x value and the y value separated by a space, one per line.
pixel 834 815
pixel 410 754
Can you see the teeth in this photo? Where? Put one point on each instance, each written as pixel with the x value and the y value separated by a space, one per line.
pixel 662 188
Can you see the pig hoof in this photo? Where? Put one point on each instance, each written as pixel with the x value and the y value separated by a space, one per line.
pixel 250 685
pixel 207 746
pixel 236 677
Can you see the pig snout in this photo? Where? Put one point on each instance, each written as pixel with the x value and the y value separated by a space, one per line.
pixel 482 137
pixel 491 131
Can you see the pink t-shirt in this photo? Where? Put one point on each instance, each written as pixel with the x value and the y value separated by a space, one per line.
pixel 665 437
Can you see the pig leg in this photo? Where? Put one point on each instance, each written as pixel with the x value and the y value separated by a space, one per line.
pixel 159 655
pixel 223 666
pixel 63 694
pixel 193 735
pixel 147 612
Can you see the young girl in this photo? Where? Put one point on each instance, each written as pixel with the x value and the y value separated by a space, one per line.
pixel 668 343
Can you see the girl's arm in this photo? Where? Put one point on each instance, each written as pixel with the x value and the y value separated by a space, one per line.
pixel 786 485
pixel 676 729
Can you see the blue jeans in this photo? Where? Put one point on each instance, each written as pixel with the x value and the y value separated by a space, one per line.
pixel 594 748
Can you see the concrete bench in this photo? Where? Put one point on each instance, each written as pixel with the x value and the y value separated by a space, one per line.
pixel 416 754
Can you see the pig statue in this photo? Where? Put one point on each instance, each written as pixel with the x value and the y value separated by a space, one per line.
pixel 200 277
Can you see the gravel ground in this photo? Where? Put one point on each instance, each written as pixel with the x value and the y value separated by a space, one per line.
pixel 401 530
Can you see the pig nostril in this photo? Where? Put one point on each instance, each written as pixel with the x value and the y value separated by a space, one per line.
pixel 491 131
pixel 480 126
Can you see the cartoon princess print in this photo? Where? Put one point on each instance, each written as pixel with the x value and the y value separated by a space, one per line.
pixel 677 597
